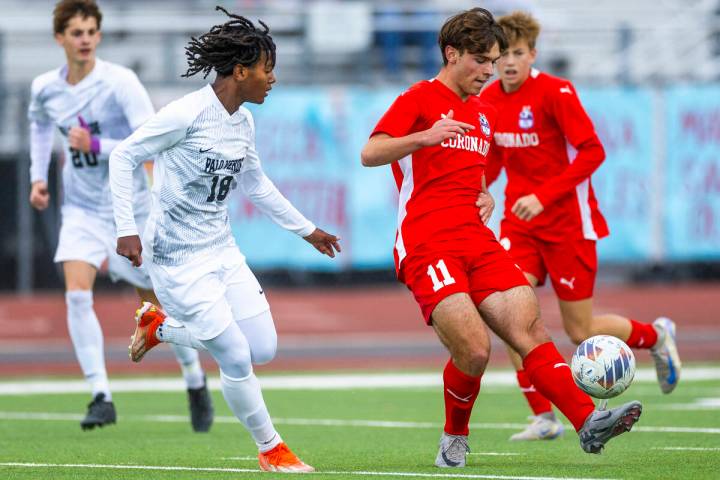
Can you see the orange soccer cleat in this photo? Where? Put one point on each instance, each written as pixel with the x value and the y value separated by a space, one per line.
pixel 282 459
pixel 147 318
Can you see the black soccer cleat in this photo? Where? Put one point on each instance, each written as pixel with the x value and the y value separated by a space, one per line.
pixel 99 413
pixel 201 408
pixel 602 425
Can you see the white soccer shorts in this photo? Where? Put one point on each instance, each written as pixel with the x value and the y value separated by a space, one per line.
pixel 87 238
pixel 209 292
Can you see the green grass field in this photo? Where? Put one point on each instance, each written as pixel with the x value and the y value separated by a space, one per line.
pixel 381 432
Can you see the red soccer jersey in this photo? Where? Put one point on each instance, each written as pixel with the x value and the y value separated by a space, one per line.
pixel 536 126
pixel 438 185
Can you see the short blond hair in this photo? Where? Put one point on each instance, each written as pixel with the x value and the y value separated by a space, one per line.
pixel 519 26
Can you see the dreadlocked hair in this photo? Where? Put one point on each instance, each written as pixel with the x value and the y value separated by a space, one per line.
pixel 237 41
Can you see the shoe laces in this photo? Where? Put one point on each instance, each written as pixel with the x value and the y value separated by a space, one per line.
pixel 458 444
pixel 281 455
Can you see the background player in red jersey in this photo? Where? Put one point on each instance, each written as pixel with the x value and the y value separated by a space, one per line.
pixel 552 220
pixel 437 137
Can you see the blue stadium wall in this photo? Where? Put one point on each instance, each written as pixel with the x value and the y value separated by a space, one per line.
pixel 659 187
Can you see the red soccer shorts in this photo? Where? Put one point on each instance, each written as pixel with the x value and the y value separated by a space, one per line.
pixel 478 269
pixel 571 264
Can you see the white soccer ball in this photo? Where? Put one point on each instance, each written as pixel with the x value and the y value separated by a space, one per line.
pixel 603 366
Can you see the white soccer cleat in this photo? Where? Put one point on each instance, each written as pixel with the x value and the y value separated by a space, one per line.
pixel 665 354
pixel 452 452
pixel 540 429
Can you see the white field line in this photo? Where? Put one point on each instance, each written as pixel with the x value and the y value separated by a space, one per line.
pixel 312 382
pixel 249 470
pixel 326 422
pixel 688 449
pixel 697 404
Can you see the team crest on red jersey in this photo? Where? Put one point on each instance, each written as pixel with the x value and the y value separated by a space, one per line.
pixel 526 120
pixel 484 124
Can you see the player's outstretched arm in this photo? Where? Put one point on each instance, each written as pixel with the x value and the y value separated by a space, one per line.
pixel 324 242
pixel 383 149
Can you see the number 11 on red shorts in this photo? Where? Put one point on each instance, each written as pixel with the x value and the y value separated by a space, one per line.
pixel 444 279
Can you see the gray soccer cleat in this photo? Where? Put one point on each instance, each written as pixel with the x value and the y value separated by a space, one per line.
pixel 602 425
pixel 201 408
pixel 452 452
pixel 540 429
pixel 665 354
pixel 99 413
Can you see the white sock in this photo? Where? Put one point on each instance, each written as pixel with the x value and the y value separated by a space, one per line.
pixel 87 339
pixel 177 336
pixel 245 399
pixel 189 361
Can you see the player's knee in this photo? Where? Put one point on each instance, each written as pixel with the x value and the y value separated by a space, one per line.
pixel 474 361
pixel 78 300
pixel 264 351
pixel 238 365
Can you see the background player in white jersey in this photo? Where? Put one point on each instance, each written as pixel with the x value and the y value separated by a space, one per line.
pixel 204 144
pixel 95 105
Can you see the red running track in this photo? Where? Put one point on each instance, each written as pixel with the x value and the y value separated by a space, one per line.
pixel 366 328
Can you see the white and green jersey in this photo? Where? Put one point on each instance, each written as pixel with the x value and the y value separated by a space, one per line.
pixel 112 103
pixel 202 153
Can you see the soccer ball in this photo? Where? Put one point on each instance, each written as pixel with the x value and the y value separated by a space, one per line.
pixel 603 366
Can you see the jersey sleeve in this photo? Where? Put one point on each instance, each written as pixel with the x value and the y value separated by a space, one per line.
pixel 36 108
pixel 399 119
pixel 265 195
pixel 41 135
pixel 135 103
pixel 578 129
pixel 41 142
pixel 162 131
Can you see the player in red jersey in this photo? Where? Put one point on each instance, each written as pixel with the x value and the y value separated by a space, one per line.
pixel 437 137
pixel 552 220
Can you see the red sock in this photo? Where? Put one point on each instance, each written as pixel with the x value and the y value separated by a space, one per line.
pixel 642 335
pixel 550 374
pixel 461 390
pixel 538 403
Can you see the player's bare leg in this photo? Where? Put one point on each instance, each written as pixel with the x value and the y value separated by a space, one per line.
pixel 87 338
pixel 579 323
pixel 461 329
pixel 544 425
pixel 514 316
